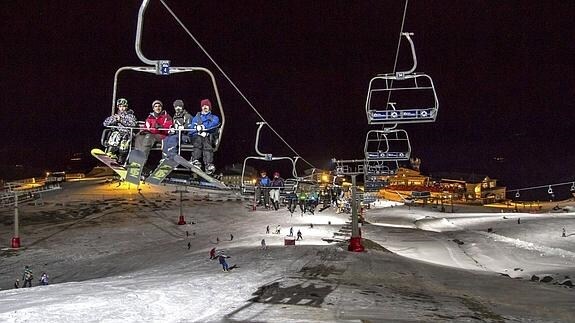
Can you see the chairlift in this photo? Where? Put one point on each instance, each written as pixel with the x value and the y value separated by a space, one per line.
pixel 246 185
pixel 348 167
pixel 402 97
pixel 387 145
pixel 163 68
pixel 381 167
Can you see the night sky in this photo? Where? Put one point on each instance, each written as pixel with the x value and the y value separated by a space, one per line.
pixel 503 71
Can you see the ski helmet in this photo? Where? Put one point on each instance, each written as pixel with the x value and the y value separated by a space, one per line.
pixel 122 101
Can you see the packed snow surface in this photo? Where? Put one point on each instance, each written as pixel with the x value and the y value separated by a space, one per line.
pixel 115 254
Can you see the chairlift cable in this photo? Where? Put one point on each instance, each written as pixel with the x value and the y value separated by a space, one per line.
pixel 396 55
pixel 231 82
pixel 549 186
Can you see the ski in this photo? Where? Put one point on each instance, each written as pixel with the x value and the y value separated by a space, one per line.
pixel 109 161
pixel 136 161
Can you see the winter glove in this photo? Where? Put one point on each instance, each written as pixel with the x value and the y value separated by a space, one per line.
pixel 200 127
pixel 203 134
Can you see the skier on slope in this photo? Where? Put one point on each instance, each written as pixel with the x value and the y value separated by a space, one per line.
pixel 119 141
pixel 277 183
pixel 27 277
pixel 299 236
pixel 44 279
pixel 222 259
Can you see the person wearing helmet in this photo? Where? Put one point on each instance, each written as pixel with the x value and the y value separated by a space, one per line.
pixel 181 120
pixel 155 129
pixel 276 185
pixel 122 123
pixel 203 127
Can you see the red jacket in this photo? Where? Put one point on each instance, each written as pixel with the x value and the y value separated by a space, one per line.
pixel 162 120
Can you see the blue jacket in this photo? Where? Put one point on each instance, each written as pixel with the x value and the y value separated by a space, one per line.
pixel 209 120
pixel 265 181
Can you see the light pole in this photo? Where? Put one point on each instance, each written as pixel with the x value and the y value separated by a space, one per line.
pixel 16 239
pixel 15 242
pixel 353 168
pixel 355 240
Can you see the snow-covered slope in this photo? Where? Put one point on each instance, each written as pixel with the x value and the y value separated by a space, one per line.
pixel 116 255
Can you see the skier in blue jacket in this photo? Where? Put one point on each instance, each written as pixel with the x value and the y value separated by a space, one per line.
pixel 204 125
pixel 222 259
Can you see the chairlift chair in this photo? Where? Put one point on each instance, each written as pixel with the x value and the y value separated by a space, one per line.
pixel 387 145
pixel 402 97
pixel 164 69
pixel 246 185
pixel 380 167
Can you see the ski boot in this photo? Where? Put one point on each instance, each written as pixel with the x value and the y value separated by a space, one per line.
pixel 210 169
pixel 196 163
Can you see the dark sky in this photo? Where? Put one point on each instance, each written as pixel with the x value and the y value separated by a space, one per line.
pixel 503 71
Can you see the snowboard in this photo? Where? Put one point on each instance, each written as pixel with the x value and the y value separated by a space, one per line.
pixel 136 161
pixel 109 161
pixel 165 167
pixel 184 162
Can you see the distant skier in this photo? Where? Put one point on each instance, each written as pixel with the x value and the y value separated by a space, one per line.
pixel 44 279
pixel 299 235
pixel 189 245
pixel 222 259
pixel 268 229
pixel 563 234
pixel 278 228
pixel 292 201
pixel 264 244
pixel 17 283
pixel 277 184
pixel 518 220
pixel 231 237
pixel 262 190
pixel 213 253
pixel 27 277
pixel 291 232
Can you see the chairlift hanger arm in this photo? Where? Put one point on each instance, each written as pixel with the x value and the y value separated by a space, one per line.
pixel 139 31
pixel 412 46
